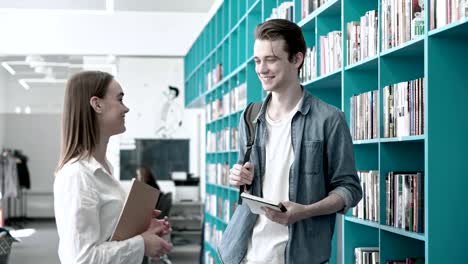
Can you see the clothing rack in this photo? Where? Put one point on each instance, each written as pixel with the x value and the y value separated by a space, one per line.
pixel 11 216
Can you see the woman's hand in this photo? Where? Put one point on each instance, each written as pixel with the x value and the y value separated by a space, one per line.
pixel 155 246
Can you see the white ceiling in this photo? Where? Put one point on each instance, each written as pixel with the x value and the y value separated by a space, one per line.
pixel 119 5
pixel 39 10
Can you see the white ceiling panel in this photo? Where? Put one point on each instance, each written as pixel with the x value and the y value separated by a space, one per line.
pixel 164 5
pixel 55 4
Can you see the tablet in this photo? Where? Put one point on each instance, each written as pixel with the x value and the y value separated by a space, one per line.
pixel 256 203
pixel 137 211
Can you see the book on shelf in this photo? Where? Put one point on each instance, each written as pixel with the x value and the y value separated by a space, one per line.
pixel 366 255
pixel 309 6
pixel 218 173
pixel 309 67
pixel 284 11
pixel 238 97
pixel 368 207
pixel 361 39
pixel 364 115
pixel 399 20
pixel 214 76
pixel 405 200
pixel 443 12
pixel 406 261
pixel 330 52
pixel 234 138
pixel 403 106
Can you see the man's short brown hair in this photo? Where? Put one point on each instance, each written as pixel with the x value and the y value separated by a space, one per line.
pixel 290 32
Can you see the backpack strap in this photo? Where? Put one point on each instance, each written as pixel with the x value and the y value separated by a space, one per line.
pixel 250 119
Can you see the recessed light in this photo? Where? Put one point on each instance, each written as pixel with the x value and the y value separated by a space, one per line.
pixel 8 68
pixel 24 84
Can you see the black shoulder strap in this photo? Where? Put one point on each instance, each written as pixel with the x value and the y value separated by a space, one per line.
pixel 250 119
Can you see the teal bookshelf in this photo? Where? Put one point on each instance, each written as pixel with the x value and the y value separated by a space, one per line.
pixel 438 56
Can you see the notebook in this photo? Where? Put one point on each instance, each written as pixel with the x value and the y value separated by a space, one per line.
pixel 137 211
pixel 256 203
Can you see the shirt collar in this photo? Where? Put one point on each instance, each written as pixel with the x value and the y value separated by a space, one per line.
pixel 92 164
pixel 303 108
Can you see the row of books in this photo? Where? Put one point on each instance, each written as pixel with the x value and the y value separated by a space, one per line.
pixel 444 12
pixel 366 255
pixel 364 118
pixel 214 76
pixel 403 106
pixel 402 20
pixel 368 207
pixel 219 207
pixel 361 39
pixel 285 11
pixel 213 236
pixel 330 52
pixel 218 173
pixel 405 200
pixel 223 140
pixel 218 141
pixel 231 102
pixel 309 68
pixel 309 6
pixel 406 261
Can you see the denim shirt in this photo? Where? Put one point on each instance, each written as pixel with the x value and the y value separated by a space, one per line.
pixel 323 164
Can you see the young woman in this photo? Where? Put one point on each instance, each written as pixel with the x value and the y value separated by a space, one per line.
pixel 87 197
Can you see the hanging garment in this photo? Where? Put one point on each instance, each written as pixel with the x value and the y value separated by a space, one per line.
pixel 8 176
pixel 23 171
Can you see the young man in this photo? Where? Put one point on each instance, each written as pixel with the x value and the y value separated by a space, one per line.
pixel 302 157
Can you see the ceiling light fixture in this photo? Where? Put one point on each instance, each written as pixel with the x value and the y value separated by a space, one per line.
pixel 24 84
pixel 8 68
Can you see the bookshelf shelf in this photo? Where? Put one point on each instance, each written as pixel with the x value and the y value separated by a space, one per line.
pixel 368 64
pixel 438 56
pixel 362 221
pixel 331 80
pixel 412 48
pixel 366 141
pixel 402 139
pixel 402 232
pixel 218 221
pixel 455 29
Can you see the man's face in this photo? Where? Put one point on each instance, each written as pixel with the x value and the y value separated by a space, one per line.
pixel 273 68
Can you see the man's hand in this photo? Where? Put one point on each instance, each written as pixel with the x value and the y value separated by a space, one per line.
pixel 241 175
pixel 294 213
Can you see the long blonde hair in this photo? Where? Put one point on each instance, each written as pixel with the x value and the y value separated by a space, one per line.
pixel 80 130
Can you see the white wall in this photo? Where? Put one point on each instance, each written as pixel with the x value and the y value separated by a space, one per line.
pixel 38 136
pixel 144 90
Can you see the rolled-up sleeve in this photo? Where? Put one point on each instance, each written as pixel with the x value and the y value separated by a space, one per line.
pixel 342 175
pixel 78 224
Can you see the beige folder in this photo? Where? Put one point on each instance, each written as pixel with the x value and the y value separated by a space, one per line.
pixel 136 214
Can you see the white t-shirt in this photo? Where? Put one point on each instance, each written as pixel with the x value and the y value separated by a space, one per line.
pixel 268 241
pixel 87 204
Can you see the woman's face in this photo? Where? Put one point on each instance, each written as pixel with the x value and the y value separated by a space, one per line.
pixel 112 117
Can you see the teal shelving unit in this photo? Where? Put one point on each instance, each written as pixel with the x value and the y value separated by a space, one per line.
pixel 439 56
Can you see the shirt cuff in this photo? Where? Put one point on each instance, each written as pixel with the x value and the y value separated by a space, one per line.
pixel 346 195
pixel 137 244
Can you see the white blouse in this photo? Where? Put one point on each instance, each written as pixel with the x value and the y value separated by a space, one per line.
pixel 87 204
